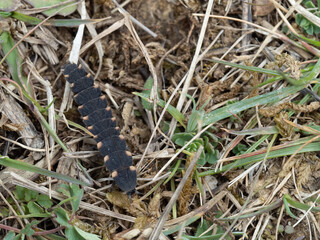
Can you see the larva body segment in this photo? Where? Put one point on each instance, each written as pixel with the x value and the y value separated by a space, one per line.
pixel 102 125
pixel 87 95
pixel 109 132
pixel 82 84
pixel 93 105
pixel 69 68
pixel 98 118
pixel 126 177
pixel 107 145
pixel 75 75
pixel 121 159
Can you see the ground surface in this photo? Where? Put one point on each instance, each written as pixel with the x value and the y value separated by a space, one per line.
pixel 250 181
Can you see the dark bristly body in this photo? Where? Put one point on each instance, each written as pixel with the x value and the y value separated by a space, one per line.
pixel 97 116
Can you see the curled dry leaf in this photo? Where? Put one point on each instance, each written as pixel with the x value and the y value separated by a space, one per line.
pixel 286 60
pixel 98 230
pixel 286 130
pixel 274 110
pixel 187 192
pixel 121 200
pixel 147 215
pixel 126 112
pixel 131 234
pixel 192 4
pixel 262 7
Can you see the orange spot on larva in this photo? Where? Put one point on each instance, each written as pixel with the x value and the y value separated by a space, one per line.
pixel 132 168
pixel 114 174
pixel 128 153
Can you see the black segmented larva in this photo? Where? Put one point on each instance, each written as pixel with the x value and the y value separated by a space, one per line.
pixel 97 116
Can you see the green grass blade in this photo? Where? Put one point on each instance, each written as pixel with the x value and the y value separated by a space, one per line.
pixel 13 60
pixel 302 81
pixel 51 132
pixel 172 110
pixel 299 205
pixel 54 237
pixel 247 68
pixel 71 22
pixel 287 207
pixel 285 150
pixel 177 228
pixel 217 236
pixel 8 162
pixel 245 104
pixel 254 131
pixel 265 209
pixel 255 145
pixel 277 78
pixel 173 172
pixel 315 71
pixel 25 18
pixel 308 40
pixel 53 22
pixel 33 215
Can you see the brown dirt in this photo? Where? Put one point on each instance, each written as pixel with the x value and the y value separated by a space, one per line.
pixel 122 67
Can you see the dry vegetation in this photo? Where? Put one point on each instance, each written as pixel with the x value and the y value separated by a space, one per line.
pixel 258 176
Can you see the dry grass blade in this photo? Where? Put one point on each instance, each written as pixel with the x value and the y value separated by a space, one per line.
pixel 251 191
pixel 275 34
pixel 98 44
pixel 141 162
pixel 199 211
pixel 180 151
pixel 121 9
pixel 268 38
pixel 158 228
pixel 194 62
pixel 305 144
pixel 75 51
pixel 144 51
pixel 73 58
pixel 101 35
pixel 24 146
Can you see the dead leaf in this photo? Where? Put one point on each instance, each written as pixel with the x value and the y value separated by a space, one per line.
pixel 262 8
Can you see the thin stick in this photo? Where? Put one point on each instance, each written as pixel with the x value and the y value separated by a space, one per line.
pixel 158 229
pixel 143 27
pixel 194 62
